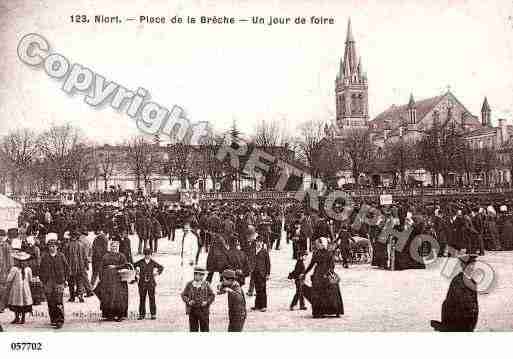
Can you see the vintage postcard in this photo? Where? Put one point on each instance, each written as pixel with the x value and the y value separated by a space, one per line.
pixel 273 166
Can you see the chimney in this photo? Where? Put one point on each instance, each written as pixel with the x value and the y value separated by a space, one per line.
pixel 504 130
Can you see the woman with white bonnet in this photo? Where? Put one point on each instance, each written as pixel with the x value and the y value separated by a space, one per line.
pixel 326 298
pixel 18 281
pixel 112 291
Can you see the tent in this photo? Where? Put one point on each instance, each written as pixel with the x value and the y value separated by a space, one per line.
pixel 9 212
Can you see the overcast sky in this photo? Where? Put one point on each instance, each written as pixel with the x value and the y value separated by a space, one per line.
pixel 246 72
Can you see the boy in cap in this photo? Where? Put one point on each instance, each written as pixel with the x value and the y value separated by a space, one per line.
pixel 146 269
pixel 198 296
pixel 236 301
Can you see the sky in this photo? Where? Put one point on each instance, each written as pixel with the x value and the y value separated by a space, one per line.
pixel 246 72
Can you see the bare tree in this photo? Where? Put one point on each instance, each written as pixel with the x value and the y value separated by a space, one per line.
pixel 142 158
pixel 59 146
pixel 176 165
pixel 310 142
pixel 18 150
pixel 359 149
pixel 106 158
pixel 400 157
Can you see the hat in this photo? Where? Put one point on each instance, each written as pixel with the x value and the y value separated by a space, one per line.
pixel 199 270
pixel 21 256
pixel 147 251
pixel 52 236
pixel 52 242
pixel 229 274
pixel 324 241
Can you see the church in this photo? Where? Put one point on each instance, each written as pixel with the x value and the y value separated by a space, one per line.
pixel 410 122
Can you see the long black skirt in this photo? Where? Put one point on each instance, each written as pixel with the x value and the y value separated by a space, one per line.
pixel 325 298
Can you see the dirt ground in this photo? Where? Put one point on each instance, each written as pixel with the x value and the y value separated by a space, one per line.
pixel 374 300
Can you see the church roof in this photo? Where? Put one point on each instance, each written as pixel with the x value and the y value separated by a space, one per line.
pixel 390 116
pixel 395 116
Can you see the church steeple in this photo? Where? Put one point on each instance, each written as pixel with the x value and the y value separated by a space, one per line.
pixel 486 113
pixel 351 87
pixel 350 68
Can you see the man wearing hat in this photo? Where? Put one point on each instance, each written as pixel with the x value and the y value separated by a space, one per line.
pixel 250 250
pixel 260 275
pixel 53 272
pixel 198 296
pixel 147 269
pixel 460 308
pixel 236 301
pixel 76 256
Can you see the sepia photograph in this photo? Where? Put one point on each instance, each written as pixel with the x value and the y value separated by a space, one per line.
pixel 259 167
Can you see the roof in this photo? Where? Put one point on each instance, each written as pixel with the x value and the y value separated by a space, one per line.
pixel 393 113
pixel 395 116
pixel 482 131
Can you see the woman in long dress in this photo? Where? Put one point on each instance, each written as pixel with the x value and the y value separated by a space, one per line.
pixel 326 298
pixel 112 292
pixel 19 298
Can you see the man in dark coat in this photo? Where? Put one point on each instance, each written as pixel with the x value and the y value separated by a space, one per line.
pixel 250 250
pixel 147 268
pixel 218 258
pixel 238 261
pixel 53 272
pixel 171 219
pixel 460 309
pixel 260 275
pixel 76 255
pixel 99 250
pixel 507 234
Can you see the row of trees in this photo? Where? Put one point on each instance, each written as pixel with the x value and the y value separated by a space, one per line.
pixel 443 152
pixel 62 156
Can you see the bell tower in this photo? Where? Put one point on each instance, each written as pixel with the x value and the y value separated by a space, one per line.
pixel 351 89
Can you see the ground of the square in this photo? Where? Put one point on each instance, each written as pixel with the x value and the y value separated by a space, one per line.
pixel 374 300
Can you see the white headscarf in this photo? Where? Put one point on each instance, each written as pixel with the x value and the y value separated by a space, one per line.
pixel 324 242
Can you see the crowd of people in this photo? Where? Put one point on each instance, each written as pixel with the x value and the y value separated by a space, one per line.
pixel 50 250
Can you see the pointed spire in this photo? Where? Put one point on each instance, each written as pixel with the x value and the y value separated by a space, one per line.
pixel 486 106
pixel 350 59
pixel 411 103
pixel 349 37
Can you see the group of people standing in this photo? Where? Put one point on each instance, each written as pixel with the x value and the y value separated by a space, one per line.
pixel 50 250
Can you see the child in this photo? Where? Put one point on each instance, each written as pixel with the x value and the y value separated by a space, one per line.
pixel 198 296
pixel 236 300
pixel 19 278
pixel 299 269
pixel 147 268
